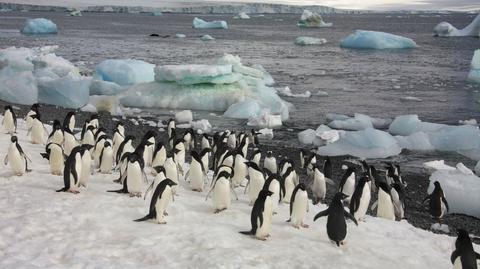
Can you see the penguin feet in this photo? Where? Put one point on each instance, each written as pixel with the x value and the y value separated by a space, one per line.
pixel 262 238
pixel 162 222
pixel 343 243
pixel 305 226
pixel 296 226
pixel 73 191
pixel 165 213
pixel 219 210
pixel 136 195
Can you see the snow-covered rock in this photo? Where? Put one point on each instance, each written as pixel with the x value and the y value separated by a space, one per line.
pixel 445 29
pixel 242 15
pixel 184 116
pixel 306 40
pixel 474 74
pixel 376 40
pixel 125 71
pixel 312 19
pixel 39 26
pixel 201 24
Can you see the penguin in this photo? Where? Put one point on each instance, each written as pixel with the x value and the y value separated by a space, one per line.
pixel 253 137
pixel 159 156
pixel 54 154
pixel 9 121
pixel 336 225
pixel 464 256
pixel 261 216
pixel 97 150
pixel 172 139
pixel 372 173
pixel 273 184
pixel 256 156
pixel 160 199
pixel 319 186
pixel 221 192
pixel 189 139
pixel 171 168
pixel 94 121
pixel 16 157
pixel 69 120
pixel 88 136
pixel 28 118
pixel 134 176
pixel 37 131
pixel 310 164
pixel 205 142
pixel 243 145
pixel 384 204
pixel 149 149
pixel 347 184
pixel 270 163
pixel 240 169
pixel 125 147
pixel 205 157
pixel 256 181
pixel 170 127
pixel 360 198
pixel 106 158
pixel 118 137
pixel 197 173
pixel 86 164
pixel 161 175
pixel 227 158
pixel 303 155
pixel 398 199
pixel 327 168
pixel 232 141
pixel 179 154
pixel 288 185
pixel 298 206
pixel 393 174
pixel 69 141
pixel 438 205
pixel 56 136
pixel 72 171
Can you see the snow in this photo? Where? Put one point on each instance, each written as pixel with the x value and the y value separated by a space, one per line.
pixel 195 74
pixel 242 15
pixel 287 92
pixel 474 74
pixel 201 24
pixel 437 165
pixel 376 40
pixel 39 26
pixel 461 188
pixel 440 227
pixel 445 29
pixel 306 40
pixel 207 38
pixel 312 19
pixel 125 71
pixel 44 229
pixel 184 116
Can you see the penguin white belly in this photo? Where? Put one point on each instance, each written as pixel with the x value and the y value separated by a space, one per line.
pixel 160 158
pixel 180 156
pixel 196 176
pixel 256 159
pixel 162 203
pixel 56 160
pixel 78 168
pixel 147 154
pixel 319 187
pixel 289 186
pixel 263 230
pixel 134 179
pixel 89 138
pixel 349 187
pixel 107 161
pixel 300 206
pixel 16 160
pixel 38 133
pixel 171 171
pixel 29 119
pixel 57 138
pixel 397 205
pixel 255 186
pixel 69 143
pixel 458 263
pixel 364 202
pixel 96 154
pixel 385 206
pixel 275 188
pixel 443 209
pixel 86 168
pixel 71 124
pixel 8 122
pixel 221 194
pixel 117 140
pixel 271 165
pixel 240 172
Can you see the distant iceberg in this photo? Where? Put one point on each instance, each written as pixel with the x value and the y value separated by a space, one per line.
pixel 474 74
pixel 207 38
pixel 311 19
pixel 376 40
pixel 445 29
pixel 39 26
pixel 201 24
pixel 306 40
pixel 76 13
pixel 242 15
pixel 125 71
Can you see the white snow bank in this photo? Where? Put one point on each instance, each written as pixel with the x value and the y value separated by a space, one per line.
pixel 312 19
pixel 39 26
pixel 201 24
pixel 242 15
pixel 474 74
pixel 445 29
pixel 461 188
pixel 376 40
pixel 306 40
pixel 184 116
pixel 125 71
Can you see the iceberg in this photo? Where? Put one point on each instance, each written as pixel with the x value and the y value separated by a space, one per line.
pixel 242 15
pixel 445 29
pixel 125 71
pixel 39 26
pixel 245 109
pixel 311 19
pixel 195 74
pixel 100 87
pixel 306 40
pixel 201 24
pixel 376 40
pixel 322 136
pixel 474 74
pixel 358 122
pixel 206 38
pixel 184 116
pixel 76 13
pixel 18 87
pixel 70 91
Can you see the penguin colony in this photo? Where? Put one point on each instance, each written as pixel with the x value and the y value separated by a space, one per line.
pixel 221 165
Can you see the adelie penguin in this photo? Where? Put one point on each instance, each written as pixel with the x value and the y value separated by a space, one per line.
pixel 288 184
pixel 221 198
pixel 134 176
pixel 118 137
pixel 86 164
pixel 106 158
pixel 347 184
pixel 69 141
pixel 56 136
pixel 361 198
pixel 72 171
pixel 88 136
pixel 273 184
pixel 438 205
pixel 9 121
pixel 384 204
pixel 160 199
pixel 298 206
pixel 69 120
pixel 270 163
pixel 319 186
pixel 17 159
pixel 197 173
pixel 37 132
pixel 159 156
pixel 398 199
pixel 336 224
pixel 261 216
pixel 240 169
pixel 54 155
pixel 28 118
pixel 256 181
pixel 464 256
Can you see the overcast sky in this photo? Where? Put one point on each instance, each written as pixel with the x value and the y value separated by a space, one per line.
pixel 347 4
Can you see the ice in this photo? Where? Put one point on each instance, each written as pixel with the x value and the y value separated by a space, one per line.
pixel 322 136
pixel 437 165
pixel 309 137
pixel 76 13
pixel 408 124
pixel 207 38
pixel 368 143
pixel 180 35
pixel 411 98
pixel 125 71
pixel 184 116
pixel 242 15
pixel 39 26
pixel 335 116
pixel 246 109
pixel 104 103
pixel 477 168
pixel 311 19
pixel 265 119
pixel 89 108
pixel 440 228
pixel 195 74
pixel 445 29
pixel 461 188
pixel 306 40
pixel 202 126
pixel 201 24
pixel 415 141
pixel 376 40
pixel 474 74
pixel 468 122
pixel 358 122
pixel 101 87
pixel 287 92
pixel 18 87
pixel 70 91
pixel 265 133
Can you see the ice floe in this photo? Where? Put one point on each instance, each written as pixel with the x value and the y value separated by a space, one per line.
pixel 312 19
pixel 474 74
pixel 376 40
pixel 445 29
pixel 207 38
pixel 184 116
pixel 39 26
pixel 286 91
pixel 306 40
pixel 358 122
pixel 201 24
pixel 125 71
pixel 242 15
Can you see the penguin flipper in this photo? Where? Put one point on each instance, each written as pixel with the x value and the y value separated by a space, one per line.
pixel 477 255
pixel 323 213
pixel 454 256
pixel 246 232
pixel 45 156
pixel 147 217
pixel 350 216
pixel 446 203
pixel 329 181
pixel 5 161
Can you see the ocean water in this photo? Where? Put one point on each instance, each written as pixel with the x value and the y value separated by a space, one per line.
pixel 364 81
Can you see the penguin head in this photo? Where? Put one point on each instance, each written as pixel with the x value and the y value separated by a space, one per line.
pixel 34 107
pixel 129 138
pixel 119 124
pixel 159 169
pixel 437 185
pixel 462 234
pixel 57 125
pixel 91 128
pixel 14 139
pixel 35 116
pixel 149 134
pixel 302 187
pixel 87 146
pixel 70 114
pixel 269 154
pixel 94 117
pixel 265 192
pixel 8 108
pixel 106 144
pixel 170 182
pixel 340 196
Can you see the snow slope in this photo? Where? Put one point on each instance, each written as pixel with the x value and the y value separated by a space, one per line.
pixel 40 228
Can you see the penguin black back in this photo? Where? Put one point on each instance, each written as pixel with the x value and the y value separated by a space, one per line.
pixel 257 211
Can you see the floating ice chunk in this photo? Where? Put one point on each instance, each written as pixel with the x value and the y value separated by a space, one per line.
pixel 311 19
pixel 265 133
pixel 327 135
pixel 100 87
pixel 242 15
pixel 306 40
pixel 409 124
pixel 368 143
pixel 309 137
pixel 201 24
pixel 438 165
pixel 461 188
pixel 265 119
pixel 125 71
pixel 246 109
pixel 440 228
pixel 76 13
pixel 376 40
pixel 468 122
pixel 108 104
pixel 39 26
pixel 207 38
pixel 180 35
pixel 18 87
pixel 360 122
pixel 411 98
pixel 157 13
pixel 335 116
pixel 287 92
pixel 415 141
pixel 70 91
pixel 474 74
pixel 202 126
pixel 195 74
pixel 184 116
pixel 267 78
pixel 89 108
pixel 445 29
